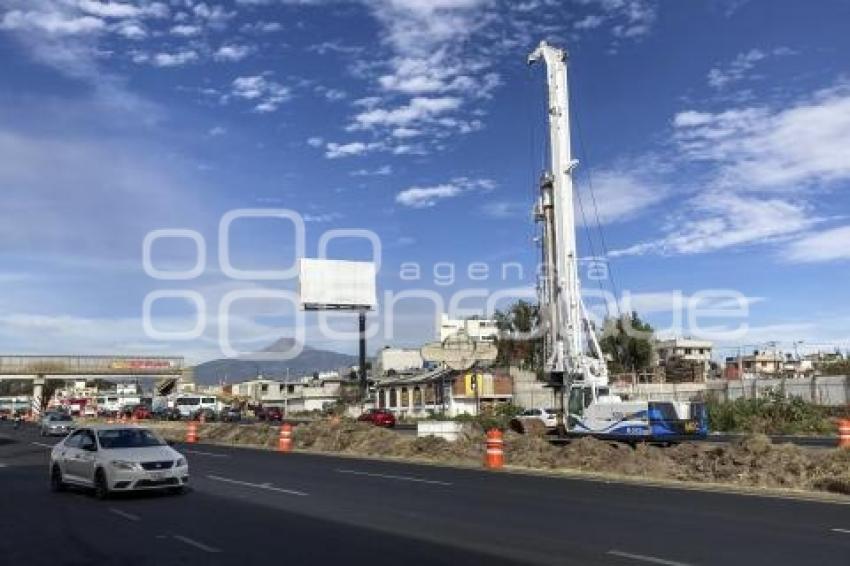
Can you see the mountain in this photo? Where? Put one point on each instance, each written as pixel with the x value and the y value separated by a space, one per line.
pixel 308 361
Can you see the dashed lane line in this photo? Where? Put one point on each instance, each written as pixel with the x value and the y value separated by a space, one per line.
pixel 645 558
pixel 845 531
pixel 128 516
pixel 196 544
pixel 266 486
pixel 393 477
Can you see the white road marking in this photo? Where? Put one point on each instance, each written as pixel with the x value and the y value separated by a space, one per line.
pixel 2 465
pixel 392 477
pixel 43 445
pixel 644 558
pixel 210 454
pixel 267 486
pixel 196 544
pixel 124 514
pixel 845 531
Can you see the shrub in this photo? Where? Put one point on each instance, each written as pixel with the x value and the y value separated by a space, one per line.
pixel 773 413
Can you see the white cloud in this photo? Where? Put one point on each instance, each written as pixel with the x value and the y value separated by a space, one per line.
pixel 54 23
pixel 829 245
pixel 261 27
pixel 268 94
pixel 419 109
pixel 321 218
pixel 619 196
pixel 186 30
pixel 315 141
pixel 804 144
pixel 109 9
pixel 383 170
pixel 131 30
pixel 232 52
pixel 740 67
pixel 717 220
pixel 217 131
pixel 627 18
pixel 506 209
pixel 424 197
pixel 174 59
pixel 336 150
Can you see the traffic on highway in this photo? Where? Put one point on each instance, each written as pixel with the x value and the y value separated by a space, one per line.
pixel 109 491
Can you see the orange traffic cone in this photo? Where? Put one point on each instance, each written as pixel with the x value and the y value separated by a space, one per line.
pixel 844 433
pixel 192 433
pixel 495 449
pixel 285 442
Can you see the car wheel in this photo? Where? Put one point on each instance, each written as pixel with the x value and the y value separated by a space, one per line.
pixel 56 483
pixel 101 488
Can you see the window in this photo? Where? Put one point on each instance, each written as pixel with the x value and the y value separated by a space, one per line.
pixel 128 438
pixel 73 441
pixel 208 400
pixel 575 403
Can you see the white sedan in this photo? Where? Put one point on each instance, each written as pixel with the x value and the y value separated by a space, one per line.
pixel 115 458
pixel 549 417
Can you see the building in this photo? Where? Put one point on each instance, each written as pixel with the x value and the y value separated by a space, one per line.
pixel 477 329
pixel 302 394
pixel 443 391
pixel 681 360
pixel 398 360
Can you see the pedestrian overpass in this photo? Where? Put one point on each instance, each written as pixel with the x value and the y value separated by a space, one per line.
pixel 168 370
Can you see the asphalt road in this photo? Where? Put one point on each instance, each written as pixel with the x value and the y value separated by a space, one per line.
pixel 255 507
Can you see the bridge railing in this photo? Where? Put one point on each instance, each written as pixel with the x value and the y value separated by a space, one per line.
pixel 104 365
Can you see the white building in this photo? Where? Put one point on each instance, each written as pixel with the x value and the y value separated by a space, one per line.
pixel 398 360
pixel 477 329
pixel 299 395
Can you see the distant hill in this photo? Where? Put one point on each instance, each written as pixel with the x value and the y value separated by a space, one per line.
pixel 308 361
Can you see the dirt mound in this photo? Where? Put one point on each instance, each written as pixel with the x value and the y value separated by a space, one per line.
pixel 752 461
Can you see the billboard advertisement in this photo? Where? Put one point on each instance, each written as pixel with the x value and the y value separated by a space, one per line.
pixel 337 284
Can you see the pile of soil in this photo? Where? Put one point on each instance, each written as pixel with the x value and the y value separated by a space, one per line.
pixel 752 461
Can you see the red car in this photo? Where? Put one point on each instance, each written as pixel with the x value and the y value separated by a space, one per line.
pixel 141 412
pixel 378 417
pixel 271 414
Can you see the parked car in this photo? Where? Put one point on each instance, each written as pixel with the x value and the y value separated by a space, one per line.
pixel 5 414
pixel 115 458
pixel 272 414
pixel 231 415
pixel 166 414
pixel 56 424
pixel 208 414
pixel 378 417
pixel 141 412
pixel 549 417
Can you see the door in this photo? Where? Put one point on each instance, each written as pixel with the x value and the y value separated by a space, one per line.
pixel 87 456
pixel 69 456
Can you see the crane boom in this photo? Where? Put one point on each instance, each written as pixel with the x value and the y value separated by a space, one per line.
pixel 561 306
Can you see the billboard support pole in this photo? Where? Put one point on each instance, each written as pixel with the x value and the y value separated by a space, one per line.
pixel 363 384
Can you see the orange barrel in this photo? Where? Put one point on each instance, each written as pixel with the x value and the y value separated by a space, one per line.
pixel 495 449
pixel 192 433
pixel 844 433
pixel 285 441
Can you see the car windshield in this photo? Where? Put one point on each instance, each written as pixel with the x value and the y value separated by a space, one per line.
pixel 128 438
pixel 60 418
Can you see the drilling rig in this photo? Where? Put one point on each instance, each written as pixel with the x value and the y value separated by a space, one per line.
pixel 573 360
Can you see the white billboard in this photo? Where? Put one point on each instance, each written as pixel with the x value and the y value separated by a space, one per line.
pixel 336 284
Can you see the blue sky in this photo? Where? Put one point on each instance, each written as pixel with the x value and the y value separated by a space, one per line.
pixel 715 136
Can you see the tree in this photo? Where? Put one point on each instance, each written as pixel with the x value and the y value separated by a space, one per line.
pixel 518 343
pixel 628 343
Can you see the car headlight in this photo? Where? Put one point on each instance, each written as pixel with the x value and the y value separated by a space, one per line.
pixel 180 462
pixel 124 465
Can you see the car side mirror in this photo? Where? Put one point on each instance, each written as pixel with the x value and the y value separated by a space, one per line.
pixel 170 442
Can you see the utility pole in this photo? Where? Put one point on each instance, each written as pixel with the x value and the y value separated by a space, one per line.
pixel 363 380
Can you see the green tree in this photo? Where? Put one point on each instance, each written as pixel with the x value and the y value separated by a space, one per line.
pixel 518 343
pixel 627 341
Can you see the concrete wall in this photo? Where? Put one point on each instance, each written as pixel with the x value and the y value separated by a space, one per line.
pixel 529 391
pixel 824 390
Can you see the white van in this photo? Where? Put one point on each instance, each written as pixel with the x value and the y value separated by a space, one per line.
pixel 188 405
